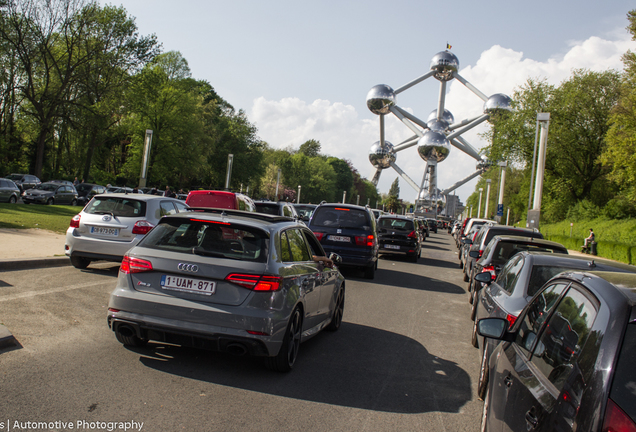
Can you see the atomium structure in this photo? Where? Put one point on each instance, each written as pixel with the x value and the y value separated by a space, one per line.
pixel 434 137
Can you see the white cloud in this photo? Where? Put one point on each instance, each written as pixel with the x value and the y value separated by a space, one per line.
pixel 340 130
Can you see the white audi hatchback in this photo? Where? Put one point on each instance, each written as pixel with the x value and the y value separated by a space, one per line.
pixel 111 224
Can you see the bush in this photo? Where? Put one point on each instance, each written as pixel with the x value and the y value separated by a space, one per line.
pixel 619 208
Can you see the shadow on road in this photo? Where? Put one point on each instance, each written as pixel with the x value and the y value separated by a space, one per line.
pixel 359 367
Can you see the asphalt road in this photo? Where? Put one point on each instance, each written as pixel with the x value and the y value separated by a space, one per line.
pixel 402 360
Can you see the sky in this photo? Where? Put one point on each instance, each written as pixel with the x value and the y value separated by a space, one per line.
pixel 301 70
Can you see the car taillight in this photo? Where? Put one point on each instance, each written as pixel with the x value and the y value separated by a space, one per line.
pixel 365 240
pixel 616 420
pixel 142 227
pixel 255 282
pixel 481 252
pixel 319 235
pixel 134 265
pixel 491 269
pixel 75 221
pixel 511 320
pixel 412 234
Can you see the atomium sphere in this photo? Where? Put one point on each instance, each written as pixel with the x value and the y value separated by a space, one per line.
pixel 433 146
pixel 426 196
pixel 497 102
pixel 440 126
pixel 381 157
pixel 380 98
pixel 445 64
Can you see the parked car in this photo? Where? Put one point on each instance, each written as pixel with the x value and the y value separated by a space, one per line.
pixel 51 193
pixel 276 208
pixel 399 235
pixel 377 213
pixel 349 231
pixel 124 189
pixel 86 192
pixel 239 282
pixel 423 227
pixel 500 249
pixel 9 191
pixel 432 225
pixel 220 199
pixel 66 182
pixel 24 181
pixel 113 223
pixel 305 211
pixel 483 237
pixel 466 242
pixel 519 281
pixel 568 362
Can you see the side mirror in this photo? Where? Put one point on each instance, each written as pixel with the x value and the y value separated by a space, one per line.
pixel 337 259
pixel 474 254
pixel 494 328
pixel 484 277
pixel 467 241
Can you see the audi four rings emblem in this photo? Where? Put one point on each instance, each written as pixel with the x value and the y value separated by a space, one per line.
pixel 188 267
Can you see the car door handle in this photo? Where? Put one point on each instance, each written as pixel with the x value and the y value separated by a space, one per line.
pixel 532 419
pixel 508 381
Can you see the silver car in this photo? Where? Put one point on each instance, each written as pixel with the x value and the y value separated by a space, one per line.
pixel 230 281
pixel 110 224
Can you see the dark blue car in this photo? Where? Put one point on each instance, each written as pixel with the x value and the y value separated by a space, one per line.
pixel 349 231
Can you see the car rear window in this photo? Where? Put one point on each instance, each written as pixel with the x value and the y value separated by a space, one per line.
pixel 623 391
pixel 271 209
pixel 209 238
pixel 504 231
pixel 506 250
pixel 541 274
pixel 396 224
pixel 116 207
pixel 341 217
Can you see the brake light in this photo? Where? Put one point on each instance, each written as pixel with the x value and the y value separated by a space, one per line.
pixel 134 265
pixel 491 269
pixel 511 320
pixel 142 227
pixel 255 282
pixel 75 221
pixel 412 235
pixel 616 420
pixel 319 235
pixel 365 241
pixel 475 235
pixel 481 252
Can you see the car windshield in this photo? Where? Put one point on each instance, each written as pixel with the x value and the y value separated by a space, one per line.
pixel 49 187
pixel 14 177
pixel 341 217
pixel 117 207
pixel 196 236
pixel 396 224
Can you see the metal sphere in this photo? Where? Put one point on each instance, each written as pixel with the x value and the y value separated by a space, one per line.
pixel 497 102
pixel 433 146
pixel 381 157
pixel 380 98
pixel 440 126
pixel 445 63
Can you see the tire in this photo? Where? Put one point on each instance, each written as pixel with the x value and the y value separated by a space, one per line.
pixel 369 272
pixel 13 199
pixel 466 278
pixel 413 258
pixel 475 337
pixel 74 202
pixel 286 357
pixel 50 201
pixel 130 340
pixel 461 264
pixel 482 386
pixel 338 312
pixel 79 262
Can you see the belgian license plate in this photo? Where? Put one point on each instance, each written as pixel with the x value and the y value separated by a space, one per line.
pixel 105 231
pixel 392 247
pixel 339 238
pixel 197 286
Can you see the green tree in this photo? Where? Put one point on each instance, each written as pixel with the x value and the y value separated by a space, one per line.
pixel 310 148
pixel 394 190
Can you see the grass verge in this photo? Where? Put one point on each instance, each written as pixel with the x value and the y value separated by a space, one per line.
pixel 54 218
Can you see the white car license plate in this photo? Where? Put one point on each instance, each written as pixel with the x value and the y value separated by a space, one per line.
pixel 339 238
pixel 197 286
pixel 392 247
pixel 105 231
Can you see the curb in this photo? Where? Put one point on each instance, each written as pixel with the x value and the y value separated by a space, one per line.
pixel 33 263
pixel 6 338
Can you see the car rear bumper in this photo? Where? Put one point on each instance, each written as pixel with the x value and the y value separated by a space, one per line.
pixel 97 248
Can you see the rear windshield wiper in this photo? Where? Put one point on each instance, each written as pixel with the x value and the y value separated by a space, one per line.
pixel 197 250
pixel 105 212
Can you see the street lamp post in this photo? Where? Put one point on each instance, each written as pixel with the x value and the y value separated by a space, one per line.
pixel 488 181
pixel 502 181
pixel 146 159
pixel 543 120
pixel 298 197
pixel 479 208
